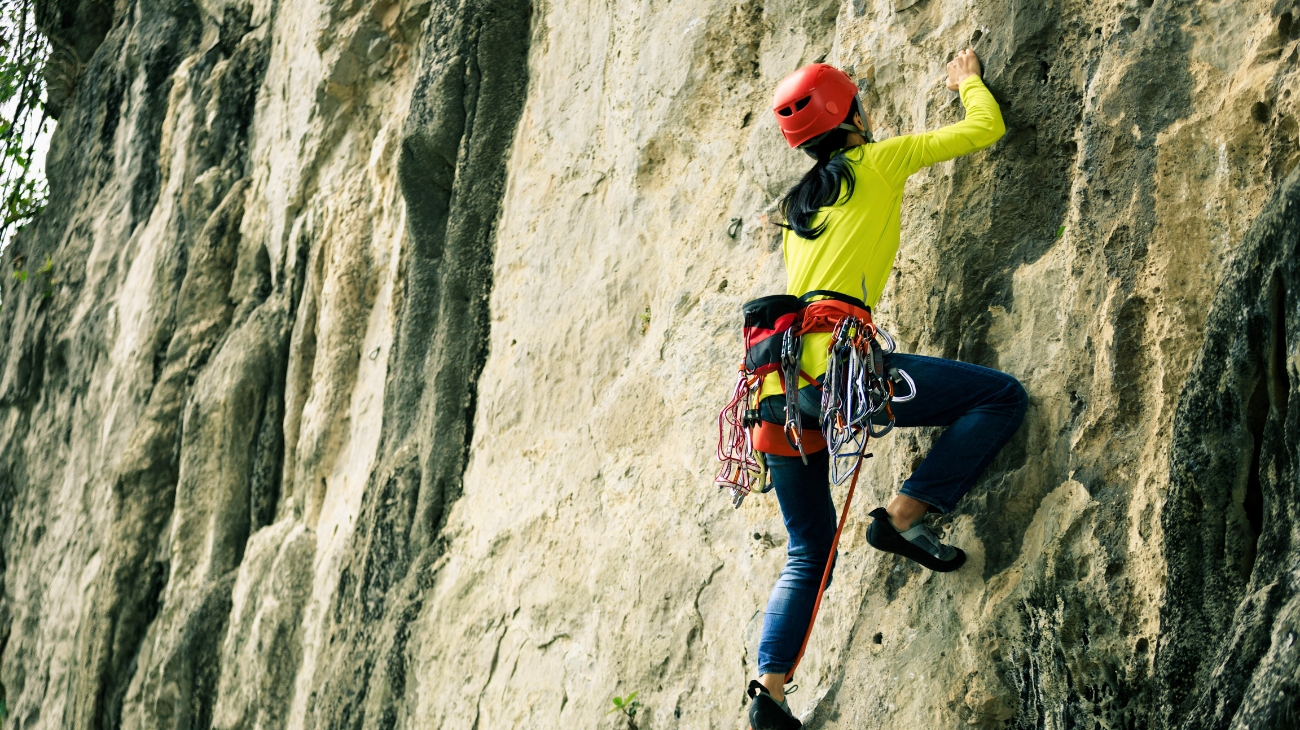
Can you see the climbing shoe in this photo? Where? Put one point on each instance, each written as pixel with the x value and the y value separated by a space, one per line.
pixel 916 543
pixel 766 713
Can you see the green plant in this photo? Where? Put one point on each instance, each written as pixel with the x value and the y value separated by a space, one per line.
pixel 45 275
pixel 645 320
pixel 627 705
pixel 24 52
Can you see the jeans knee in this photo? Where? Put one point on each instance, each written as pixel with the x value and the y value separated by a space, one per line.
pixel 817 568
pixel 1016 397
pixel 807 558
pixel 807 568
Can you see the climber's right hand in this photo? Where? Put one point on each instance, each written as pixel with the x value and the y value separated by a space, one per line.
pixel 962 65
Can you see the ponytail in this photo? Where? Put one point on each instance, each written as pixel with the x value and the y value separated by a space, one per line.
pixel 821 185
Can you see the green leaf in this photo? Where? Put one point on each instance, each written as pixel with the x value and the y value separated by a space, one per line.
pixel 24 54
pixel 1060 231
pixel 618 701
pixel 21 275
pixel 631 697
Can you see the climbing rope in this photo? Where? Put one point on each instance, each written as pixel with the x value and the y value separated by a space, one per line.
pixel 830 559
pixel 740 467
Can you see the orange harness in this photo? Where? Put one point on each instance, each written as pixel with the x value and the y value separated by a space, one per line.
pixel 819 316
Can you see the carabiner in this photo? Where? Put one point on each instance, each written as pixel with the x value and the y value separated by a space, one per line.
pixel 895 373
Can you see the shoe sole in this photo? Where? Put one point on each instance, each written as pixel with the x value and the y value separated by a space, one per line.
pixel 882 536
pixel 766 714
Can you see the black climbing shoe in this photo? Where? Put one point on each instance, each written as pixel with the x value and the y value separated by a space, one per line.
pixel 766 713
pixel 916 543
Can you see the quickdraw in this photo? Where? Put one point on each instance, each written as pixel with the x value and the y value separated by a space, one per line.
pixel 791 350
pixel 857 390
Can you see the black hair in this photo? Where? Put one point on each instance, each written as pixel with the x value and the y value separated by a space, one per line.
pixel 820 186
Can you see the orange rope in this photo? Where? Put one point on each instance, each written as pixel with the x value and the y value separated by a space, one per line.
pixel 830 559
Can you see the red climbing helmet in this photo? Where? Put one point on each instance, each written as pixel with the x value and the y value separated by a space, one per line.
pixel 813 101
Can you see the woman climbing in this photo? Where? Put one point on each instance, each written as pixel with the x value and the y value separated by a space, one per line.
pixel 842 234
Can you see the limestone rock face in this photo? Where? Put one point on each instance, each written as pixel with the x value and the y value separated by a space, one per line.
pixel 374 378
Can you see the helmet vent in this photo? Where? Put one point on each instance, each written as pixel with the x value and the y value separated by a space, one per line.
pixel 799 105
pixel 785 111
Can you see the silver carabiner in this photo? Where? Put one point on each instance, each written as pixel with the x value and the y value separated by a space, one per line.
pixel 911 384
pixel 888 338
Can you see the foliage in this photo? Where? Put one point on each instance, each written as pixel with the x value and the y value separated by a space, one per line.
pixel 44 276
pixel 24 52
pixel 628 705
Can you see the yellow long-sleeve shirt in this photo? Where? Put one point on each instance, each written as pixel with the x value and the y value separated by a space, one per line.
pixel 862 232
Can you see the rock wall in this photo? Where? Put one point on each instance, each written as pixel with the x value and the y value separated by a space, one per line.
pixel 374 383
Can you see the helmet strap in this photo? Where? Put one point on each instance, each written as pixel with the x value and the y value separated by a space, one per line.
pixel 808 146
pixel 860 130
pixel 866 133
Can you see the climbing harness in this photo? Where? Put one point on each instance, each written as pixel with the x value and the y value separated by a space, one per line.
pixel 857 388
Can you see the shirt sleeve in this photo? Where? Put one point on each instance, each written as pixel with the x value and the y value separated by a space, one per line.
pixel 900 157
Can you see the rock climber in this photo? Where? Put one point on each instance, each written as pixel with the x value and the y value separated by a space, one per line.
pixel 842 234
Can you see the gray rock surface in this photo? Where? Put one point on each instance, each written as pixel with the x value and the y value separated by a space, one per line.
pixel 374 381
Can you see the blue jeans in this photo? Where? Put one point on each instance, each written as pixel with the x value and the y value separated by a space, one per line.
pixel 981 407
